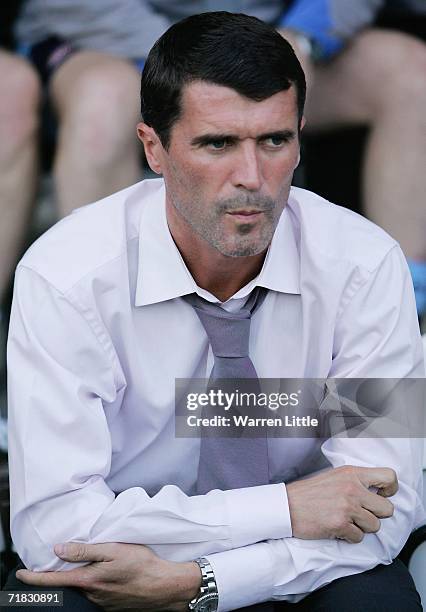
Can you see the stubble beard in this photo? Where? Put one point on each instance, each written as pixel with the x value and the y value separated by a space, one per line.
pixel 244 243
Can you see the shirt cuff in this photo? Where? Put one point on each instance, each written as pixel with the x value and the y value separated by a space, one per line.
pixel 244 576
pixel 258 513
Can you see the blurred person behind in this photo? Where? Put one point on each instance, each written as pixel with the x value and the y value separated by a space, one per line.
pixel 19 97
pixel 19 103
pixel 92 93
pixel 361 75
pixel 90 72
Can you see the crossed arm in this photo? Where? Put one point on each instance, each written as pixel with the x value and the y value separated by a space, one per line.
pixel 334 504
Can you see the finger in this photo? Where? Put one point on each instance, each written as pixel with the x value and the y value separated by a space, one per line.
pixel 352 534
pixel 379 506
pixel 388 491
pixel 50 579
pixel 78 551
pixel 384 479
pixel 366 521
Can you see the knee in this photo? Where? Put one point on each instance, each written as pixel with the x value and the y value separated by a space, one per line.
pixel 19 101
pixel 101 113
pixel 407 84
pixel 397 62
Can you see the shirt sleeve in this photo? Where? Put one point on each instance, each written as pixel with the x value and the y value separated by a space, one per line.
pixel 376 335
pixel 62 391
pixel 329 23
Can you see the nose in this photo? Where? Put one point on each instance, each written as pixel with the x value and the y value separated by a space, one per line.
pixel 246 167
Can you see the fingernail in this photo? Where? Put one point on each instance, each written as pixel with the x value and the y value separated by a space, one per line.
pixel 59 549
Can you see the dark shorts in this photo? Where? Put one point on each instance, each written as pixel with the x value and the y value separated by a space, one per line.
pixel 50 53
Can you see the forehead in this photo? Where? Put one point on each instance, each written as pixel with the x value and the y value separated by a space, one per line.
pixel 206 107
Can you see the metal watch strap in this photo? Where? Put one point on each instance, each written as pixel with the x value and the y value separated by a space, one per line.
pixel 208 595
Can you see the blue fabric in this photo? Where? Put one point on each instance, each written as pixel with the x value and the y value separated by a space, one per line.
pixel 313 18
pixel 139 63
pixel 24 50
pixel 418 274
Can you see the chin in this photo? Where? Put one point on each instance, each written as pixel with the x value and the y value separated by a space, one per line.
pixel 243 250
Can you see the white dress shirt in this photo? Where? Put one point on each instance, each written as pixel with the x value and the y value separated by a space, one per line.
pixel 99 333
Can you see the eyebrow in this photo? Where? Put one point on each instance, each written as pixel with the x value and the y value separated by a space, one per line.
pixel 206 139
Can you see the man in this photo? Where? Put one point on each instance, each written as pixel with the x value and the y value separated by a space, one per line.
pixel 107 315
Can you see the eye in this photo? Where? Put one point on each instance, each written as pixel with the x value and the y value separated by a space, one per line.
pixel 275 141
pixel 218 145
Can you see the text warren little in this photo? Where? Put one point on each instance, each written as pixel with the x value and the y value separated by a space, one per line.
pixel 245 421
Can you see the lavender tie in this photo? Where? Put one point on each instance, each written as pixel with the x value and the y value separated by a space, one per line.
pixel 230 463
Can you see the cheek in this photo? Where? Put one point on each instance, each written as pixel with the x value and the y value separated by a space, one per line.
pixel 278 173
pixel 179 182
pixel 189 177
pixel 207 170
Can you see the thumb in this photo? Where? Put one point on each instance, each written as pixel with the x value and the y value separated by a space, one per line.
pixel 384 479
pixel 79 551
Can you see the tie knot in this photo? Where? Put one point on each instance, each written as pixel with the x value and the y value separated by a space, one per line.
pixel 228 335
pixel 228 332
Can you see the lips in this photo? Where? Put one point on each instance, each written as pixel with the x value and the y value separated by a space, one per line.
pixel 245 215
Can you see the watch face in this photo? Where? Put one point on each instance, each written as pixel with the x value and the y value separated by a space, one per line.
pixel 208 603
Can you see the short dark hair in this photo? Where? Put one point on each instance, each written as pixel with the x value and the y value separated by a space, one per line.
pixel 229 49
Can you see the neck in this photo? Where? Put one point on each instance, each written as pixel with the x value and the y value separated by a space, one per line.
pixel 218 274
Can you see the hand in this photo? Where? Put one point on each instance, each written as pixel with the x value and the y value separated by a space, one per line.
pixel 337 504
pixel 122 576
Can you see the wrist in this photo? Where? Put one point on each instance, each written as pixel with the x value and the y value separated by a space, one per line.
pixel 187 581
pixel 207 597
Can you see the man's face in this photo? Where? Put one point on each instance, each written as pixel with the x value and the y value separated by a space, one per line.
pixel 229 167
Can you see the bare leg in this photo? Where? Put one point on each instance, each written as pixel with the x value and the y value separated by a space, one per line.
pixel 19 100
pixel 97 100
pixel 380 81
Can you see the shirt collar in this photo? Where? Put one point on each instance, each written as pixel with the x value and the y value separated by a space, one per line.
pixel 162 273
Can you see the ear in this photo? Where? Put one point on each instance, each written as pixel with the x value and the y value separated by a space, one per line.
pixel 152 145
pixel 302 125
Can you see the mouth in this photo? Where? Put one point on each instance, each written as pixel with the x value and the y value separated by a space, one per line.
pixel 245 214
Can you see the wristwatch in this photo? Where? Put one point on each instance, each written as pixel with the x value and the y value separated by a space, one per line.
pixel 207 598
